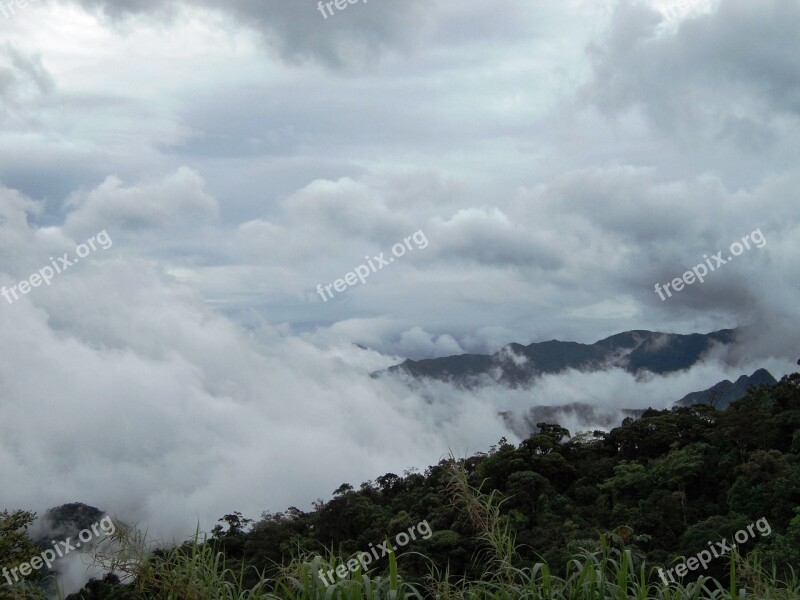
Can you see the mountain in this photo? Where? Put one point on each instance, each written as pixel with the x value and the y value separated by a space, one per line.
pixel 517 365
pixel 67 520
pixel 725 392
pixel 720 395
pixel 588 416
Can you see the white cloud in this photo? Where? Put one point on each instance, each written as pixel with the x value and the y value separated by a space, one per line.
pixel 417 342
pixel 177 198
pixel 240 154
pixel 120 387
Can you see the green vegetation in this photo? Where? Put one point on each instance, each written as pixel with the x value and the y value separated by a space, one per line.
pixel 15 548
pixel 580 518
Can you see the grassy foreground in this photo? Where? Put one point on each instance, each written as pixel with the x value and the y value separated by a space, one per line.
pixel 197 571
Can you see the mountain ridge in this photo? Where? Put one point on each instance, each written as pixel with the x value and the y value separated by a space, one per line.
pixel 721 394
pixel 515 365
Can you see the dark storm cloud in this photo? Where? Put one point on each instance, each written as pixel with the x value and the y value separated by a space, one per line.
pixel 730 72
pixel 298 31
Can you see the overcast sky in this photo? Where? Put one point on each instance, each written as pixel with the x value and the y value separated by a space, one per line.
pixel 560 157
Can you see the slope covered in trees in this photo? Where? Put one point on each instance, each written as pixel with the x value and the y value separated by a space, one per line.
pixel 668 482
pixel 664 485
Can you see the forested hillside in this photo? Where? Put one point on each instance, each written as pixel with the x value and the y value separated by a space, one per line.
pixel 664 485
pixel 677 478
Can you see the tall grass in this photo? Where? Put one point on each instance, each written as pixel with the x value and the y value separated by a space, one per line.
pixel 195 571
pixel 609 574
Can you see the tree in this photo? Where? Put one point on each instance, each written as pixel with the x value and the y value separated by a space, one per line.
pixel 236 525
pixel 17 548
pixel 681 467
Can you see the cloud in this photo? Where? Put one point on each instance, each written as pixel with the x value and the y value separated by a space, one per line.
pixel 122 388
pixel 608 392
pixel 418 343
pixel 297 31
pixel 177 197
pixel 732 72
pixel 192 370
pixel 581 254
pixel 489 237
pixel 347 206
pixel 24 84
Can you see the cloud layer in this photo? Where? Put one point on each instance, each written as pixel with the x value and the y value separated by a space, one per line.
pixel 561 158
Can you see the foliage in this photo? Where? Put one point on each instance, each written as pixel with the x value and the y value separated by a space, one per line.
pixel 16 548
pixel 656 488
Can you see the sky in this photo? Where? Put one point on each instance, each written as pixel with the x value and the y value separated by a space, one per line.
pixel 215 165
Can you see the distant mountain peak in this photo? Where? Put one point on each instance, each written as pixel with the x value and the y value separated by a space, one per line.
pixel 516 365
pixel 720 395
